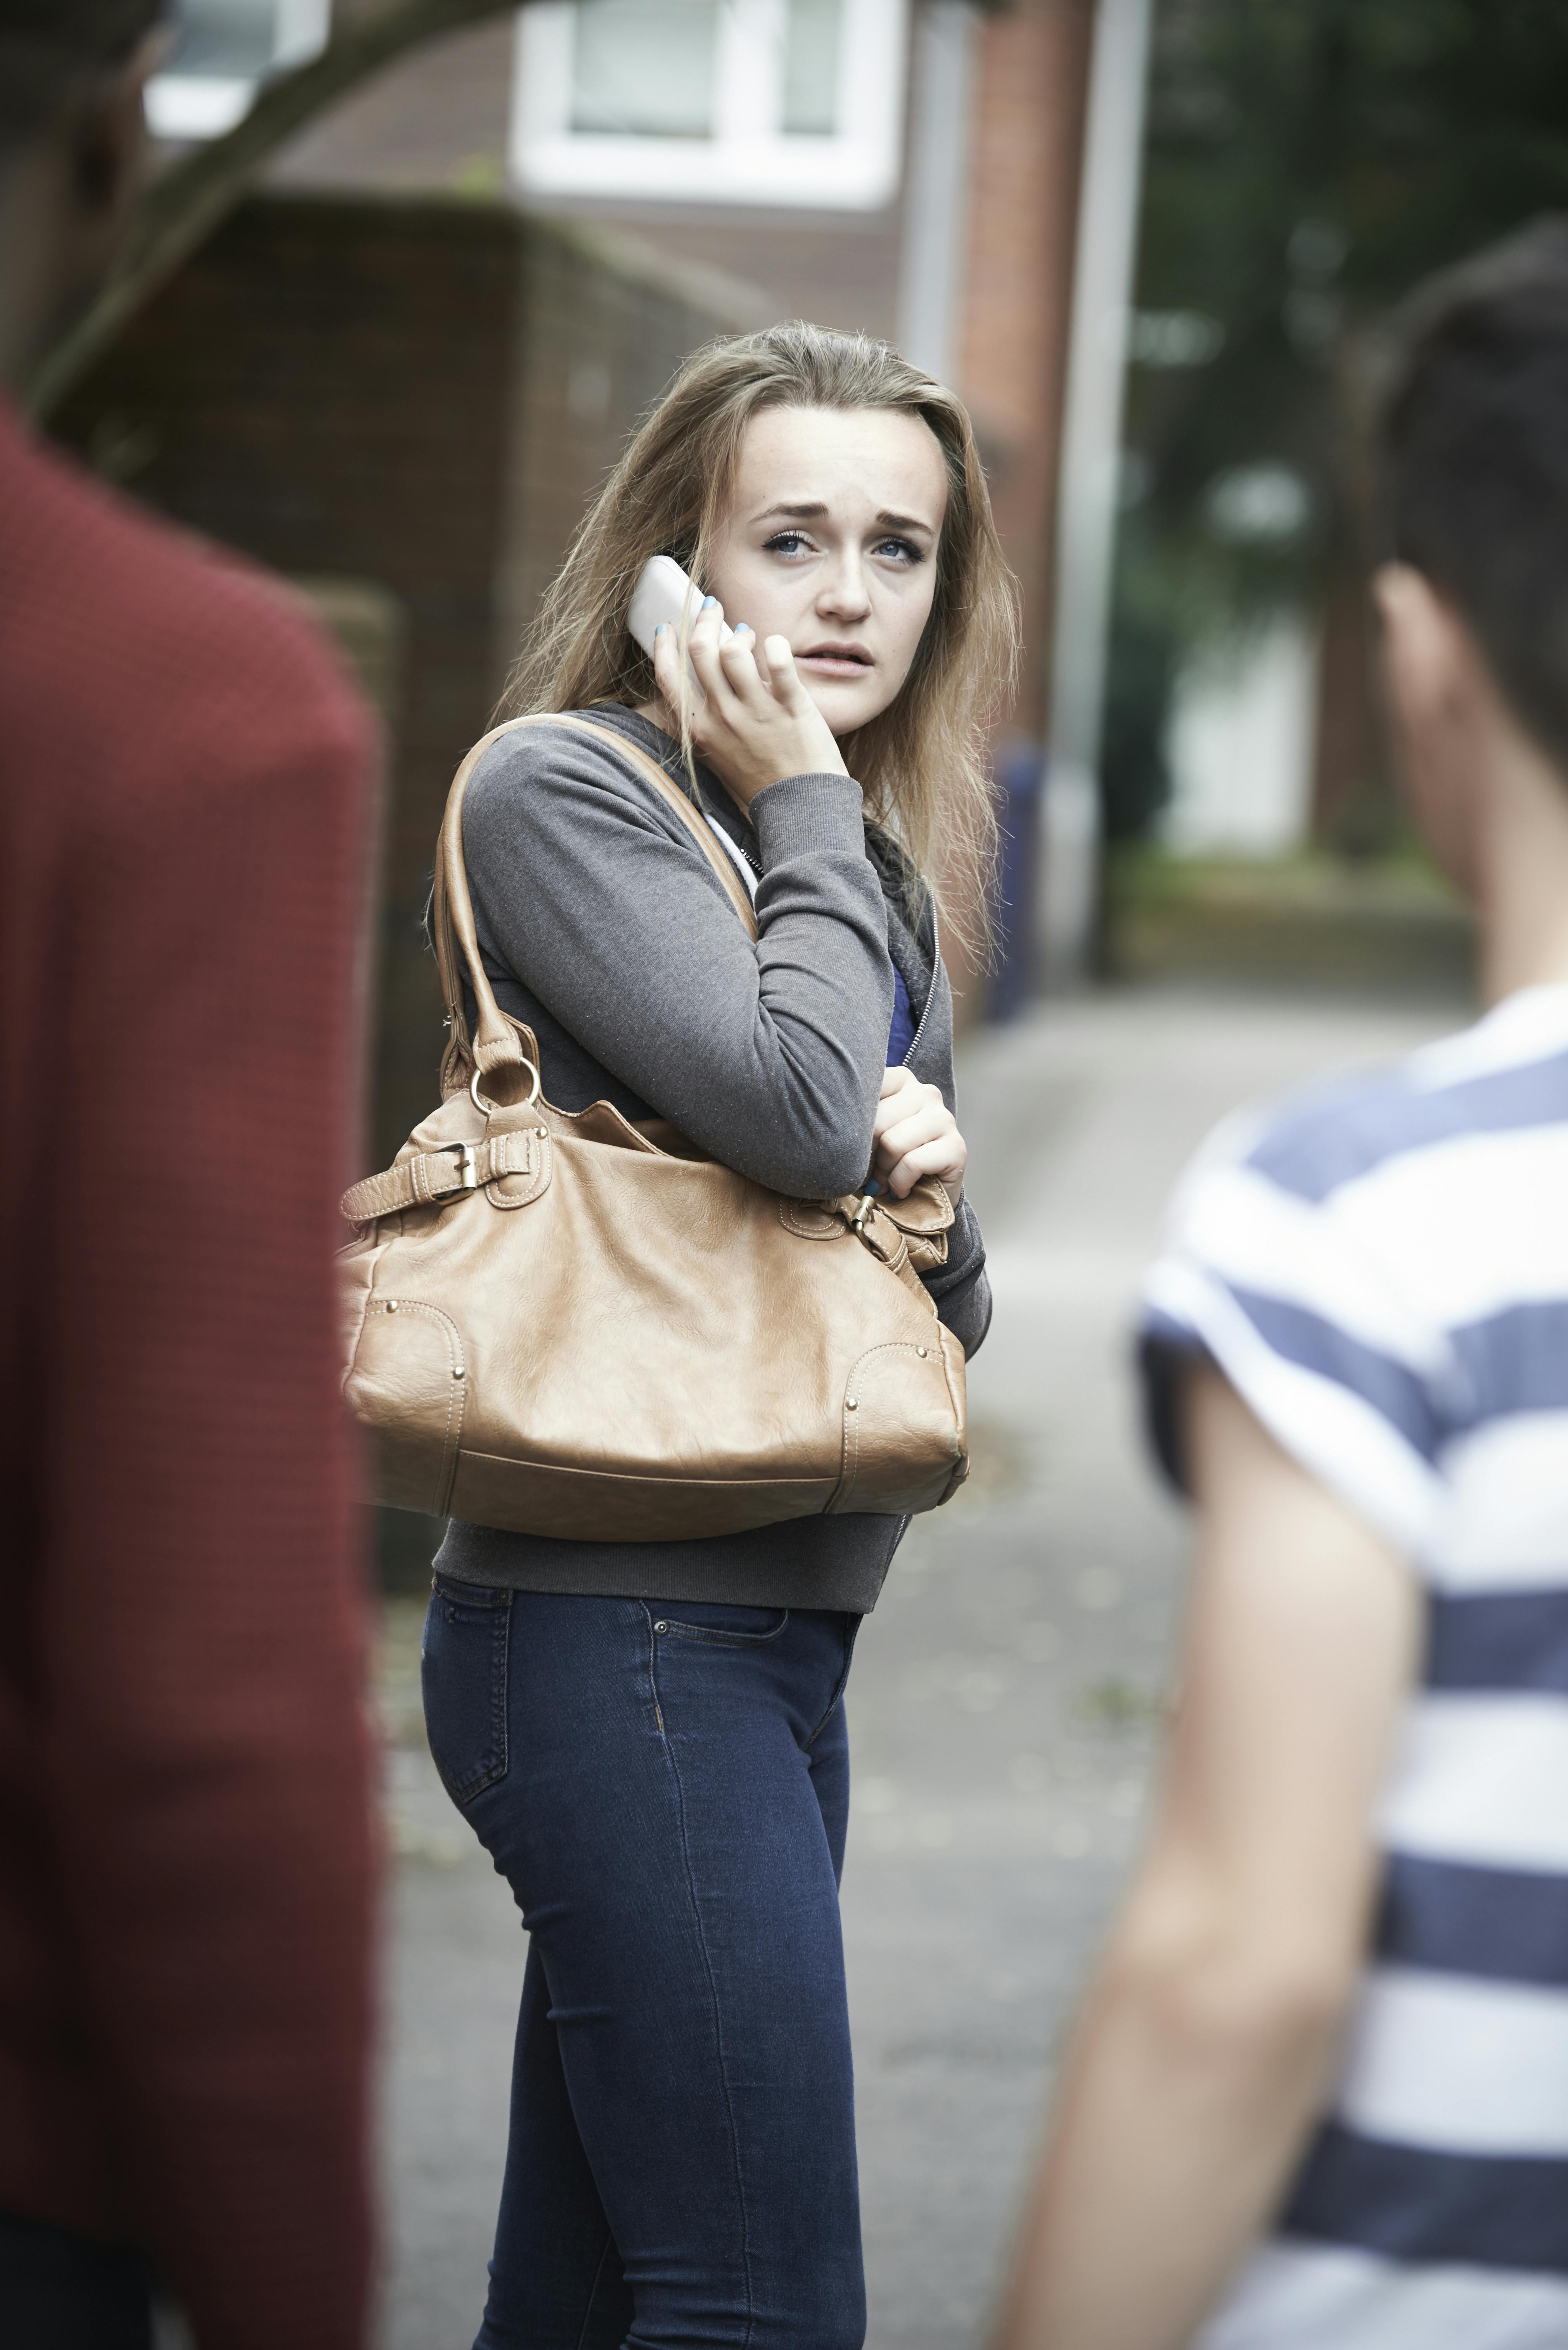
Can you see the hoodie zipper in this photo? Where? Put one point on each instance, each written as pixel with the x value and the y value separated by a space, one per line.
pixel 930 993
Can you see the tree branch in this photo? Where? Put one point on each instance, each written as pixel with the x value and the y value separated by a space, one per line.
pixel 187 203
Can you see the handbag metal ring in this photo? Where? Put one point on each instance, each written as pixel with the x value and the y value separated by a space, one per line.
pixel 484 1108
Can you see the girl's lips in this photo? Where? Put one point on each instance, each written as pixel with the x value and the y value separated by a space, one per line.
pixel 836 660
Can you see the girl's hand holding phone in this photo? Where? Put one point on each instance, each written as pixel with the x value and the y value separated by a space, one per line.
pixel 755 722
pixel 916 1134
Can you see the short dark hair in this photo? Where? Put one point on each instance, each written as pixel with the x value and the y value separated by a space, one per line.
pixel 1474 449
pixel 48 46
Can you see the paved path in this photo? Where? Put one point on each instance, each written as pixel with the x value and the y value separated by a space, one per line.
pixel 1005 1706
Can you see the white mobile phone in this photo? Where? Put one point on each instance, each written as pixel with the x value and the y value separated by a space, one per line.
pixel 663 593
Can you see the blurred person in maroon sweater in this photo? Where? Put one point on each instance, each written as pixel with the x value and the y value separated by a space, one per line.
pixel 186 1867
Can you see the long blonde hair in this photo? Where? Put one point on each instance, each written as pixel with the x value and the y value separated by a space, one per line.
pixel 923 764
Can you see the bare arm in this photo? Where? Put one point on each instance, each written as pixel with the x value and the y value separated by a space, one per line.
pixel 1205 2046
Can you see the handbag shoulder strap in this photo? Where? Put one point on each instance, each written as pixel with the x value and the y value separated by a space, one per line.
pixel 496 1044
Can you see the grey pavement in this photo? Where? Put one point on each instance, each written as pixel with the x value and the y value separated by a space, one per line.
pixel 1004 1708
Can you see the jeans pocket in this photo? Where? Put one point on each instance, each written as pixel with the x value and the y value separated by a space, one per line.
pixel 463 1663
pixel 719 1627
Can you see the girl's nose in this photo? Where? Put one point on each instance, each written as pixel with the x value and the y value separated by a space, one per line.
pixel 845 590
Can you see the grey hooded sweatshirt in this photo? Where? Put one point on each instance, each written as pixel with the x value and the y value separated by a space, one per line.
pixel 602 925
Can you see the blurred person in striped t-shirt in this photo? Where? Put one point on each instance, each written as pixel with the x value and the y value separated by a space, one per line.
pixel 1318 2098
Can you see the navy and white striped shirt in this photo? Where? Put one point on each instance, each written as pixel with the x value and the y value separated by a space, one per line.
pixel 1381 1270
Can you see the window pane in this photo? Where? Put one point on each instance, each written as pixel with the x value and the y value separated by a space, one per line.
pixel 234 39
pixel 644 68
pixel 811 68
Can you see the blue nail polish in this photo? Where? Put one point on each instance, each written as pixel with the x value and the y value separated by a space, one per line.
pixel 662 625
pixel 707 601
pixel 744 628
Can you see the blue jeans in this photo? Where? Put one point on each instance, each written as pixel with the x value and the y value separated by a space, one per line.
pixel 665 1789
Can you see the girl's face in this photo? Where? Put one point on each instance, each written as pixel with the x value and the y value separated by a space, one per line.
pixel 831 540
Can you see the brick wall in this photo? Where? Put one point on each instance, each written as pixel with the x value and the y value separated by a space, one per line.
pixel 326 386
pixel 419 394
pixel 603 326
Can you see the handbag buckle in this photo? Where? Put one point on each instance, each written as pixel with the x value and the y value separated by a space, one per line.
pixel 865 1207
pixel 467 1165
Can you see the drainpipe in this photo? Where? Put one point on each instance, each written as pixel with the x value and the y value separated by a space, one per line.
pixel 936 217
pixel 1103 284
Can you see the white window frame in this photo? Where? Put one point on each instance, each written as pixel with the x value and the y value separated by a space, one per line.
pixel 203 106
pixel 749 160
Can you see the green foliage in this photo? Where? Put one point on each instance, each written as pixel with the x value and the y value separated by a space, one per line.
pixel 1307 162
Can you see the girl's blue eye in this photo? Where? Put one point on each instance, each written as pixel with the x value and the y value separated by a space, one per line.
pixel 795 542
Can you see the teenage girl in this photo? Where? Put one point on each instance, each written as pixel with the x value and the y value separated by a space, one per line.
pixel 648 1737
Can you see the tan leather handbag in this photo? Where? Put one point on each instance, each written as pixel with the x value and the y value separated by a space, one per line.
pixel 564 1324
